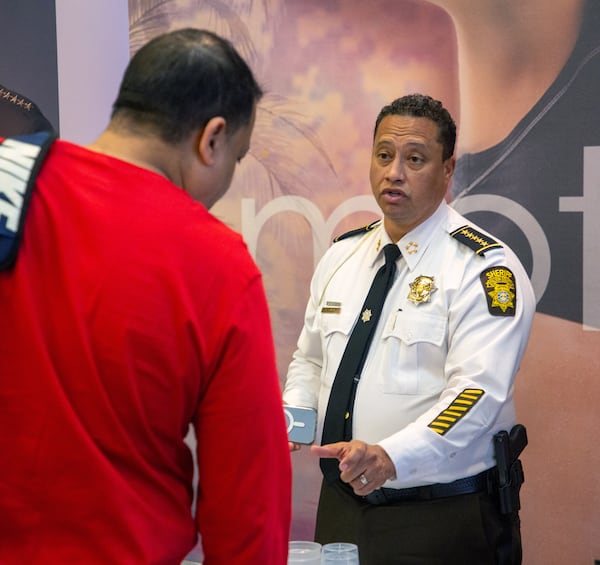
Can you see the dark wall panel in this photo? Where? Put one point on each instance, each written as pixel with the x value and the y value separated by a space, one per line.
pixel 28 52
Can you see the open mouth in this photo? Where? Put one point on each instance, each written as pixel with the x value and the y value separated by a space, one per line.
pixel 391 194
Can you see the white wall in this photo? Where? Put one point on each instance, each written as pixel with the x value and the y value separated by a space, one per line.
pixel 93 51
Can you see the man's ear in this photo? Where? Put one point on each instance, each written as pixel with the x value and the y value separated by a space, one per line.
pixel 211 139
pixel 449 165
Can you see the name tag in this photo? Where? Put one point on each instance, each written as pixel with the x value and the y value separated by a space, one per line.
pixel 332 307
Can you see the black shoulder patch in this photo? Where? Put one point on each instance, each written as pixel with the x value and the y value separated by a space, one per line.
pixel 500 290
pixel 20 161
pixel 357 231
pixel 477 241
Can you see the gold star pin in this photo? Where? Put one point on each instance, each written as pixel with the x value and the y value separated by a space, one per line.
pixel 366 315
pixel 412 247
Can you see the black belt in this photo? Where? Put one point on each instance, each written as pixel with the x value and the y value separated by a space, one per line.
pixel 478 483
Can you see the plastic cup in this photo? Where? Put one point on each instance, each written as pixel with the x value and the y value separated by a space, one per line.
pixel 339 553
pixel 304 553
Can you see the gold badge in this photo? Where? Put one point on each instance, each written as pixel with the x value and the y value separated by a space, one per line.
pixel 421 289
pixel 366 316
pixel 501 291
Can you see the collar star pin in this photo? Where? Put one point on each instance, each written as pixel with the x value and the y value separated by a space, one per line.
pixel 411 247
pixel 366 315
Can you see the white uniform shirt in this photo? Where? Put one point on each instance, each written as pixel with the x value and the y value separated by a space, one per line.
pixel 426 352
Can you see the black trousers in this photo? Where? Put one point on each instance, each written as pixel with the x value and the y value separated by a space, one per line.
pixel 457 530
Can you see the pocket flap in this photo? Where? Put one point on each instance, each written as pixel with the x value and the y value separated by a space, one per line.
pixel 416 327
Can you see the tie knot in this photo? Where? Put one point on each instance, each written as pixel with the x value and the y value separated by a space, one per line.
pixel 391 253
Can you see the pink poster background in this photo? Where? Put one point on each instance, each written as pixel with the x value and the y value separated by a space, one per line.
pixel 328 67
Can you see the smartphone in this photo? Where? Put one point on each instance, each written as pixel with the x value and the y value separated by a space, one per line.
pixel 301 424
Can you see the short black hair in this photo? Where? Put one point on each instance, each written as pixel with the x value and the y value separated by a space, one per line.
pixel 180 80
pixel 422 106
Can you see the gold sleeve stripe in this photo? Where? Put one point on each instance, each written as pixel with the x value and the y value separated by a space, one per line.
pixel 457 409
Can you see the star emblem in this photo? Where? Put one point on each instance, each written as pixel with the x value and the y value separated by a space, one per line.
pixel 502 298
pixel 412 247
pixel 366 315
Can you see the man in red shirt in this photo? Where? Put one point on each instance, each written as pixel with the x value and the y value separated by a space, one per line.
pixel 128 313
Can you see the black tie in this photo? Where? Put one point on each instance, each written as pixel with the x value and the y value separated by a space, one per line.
pixel 338 418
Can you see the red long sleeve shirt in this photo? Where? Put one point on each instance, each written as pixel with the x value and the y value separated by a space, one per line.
pixel 130 313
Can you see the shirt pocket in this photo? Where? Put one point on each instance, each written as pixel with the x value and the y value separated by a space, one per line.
pixel 335 331
pixel 414 350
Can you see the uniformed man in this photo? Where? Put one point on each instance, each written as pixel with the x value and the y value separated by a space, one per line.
pixel 413 477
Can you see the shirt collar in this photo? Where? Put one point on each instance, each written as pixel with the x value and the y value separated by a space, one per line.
pixel 378 242
pixel 414 244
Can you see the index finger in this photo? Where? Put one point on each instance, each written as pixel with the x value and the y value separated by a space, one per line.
pixel 334 450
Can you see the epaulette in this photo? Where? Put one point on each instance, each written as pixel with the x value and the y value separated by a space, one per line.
pixel 357 231
pixel 20 161
pixel 16 99
pixel 477 241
